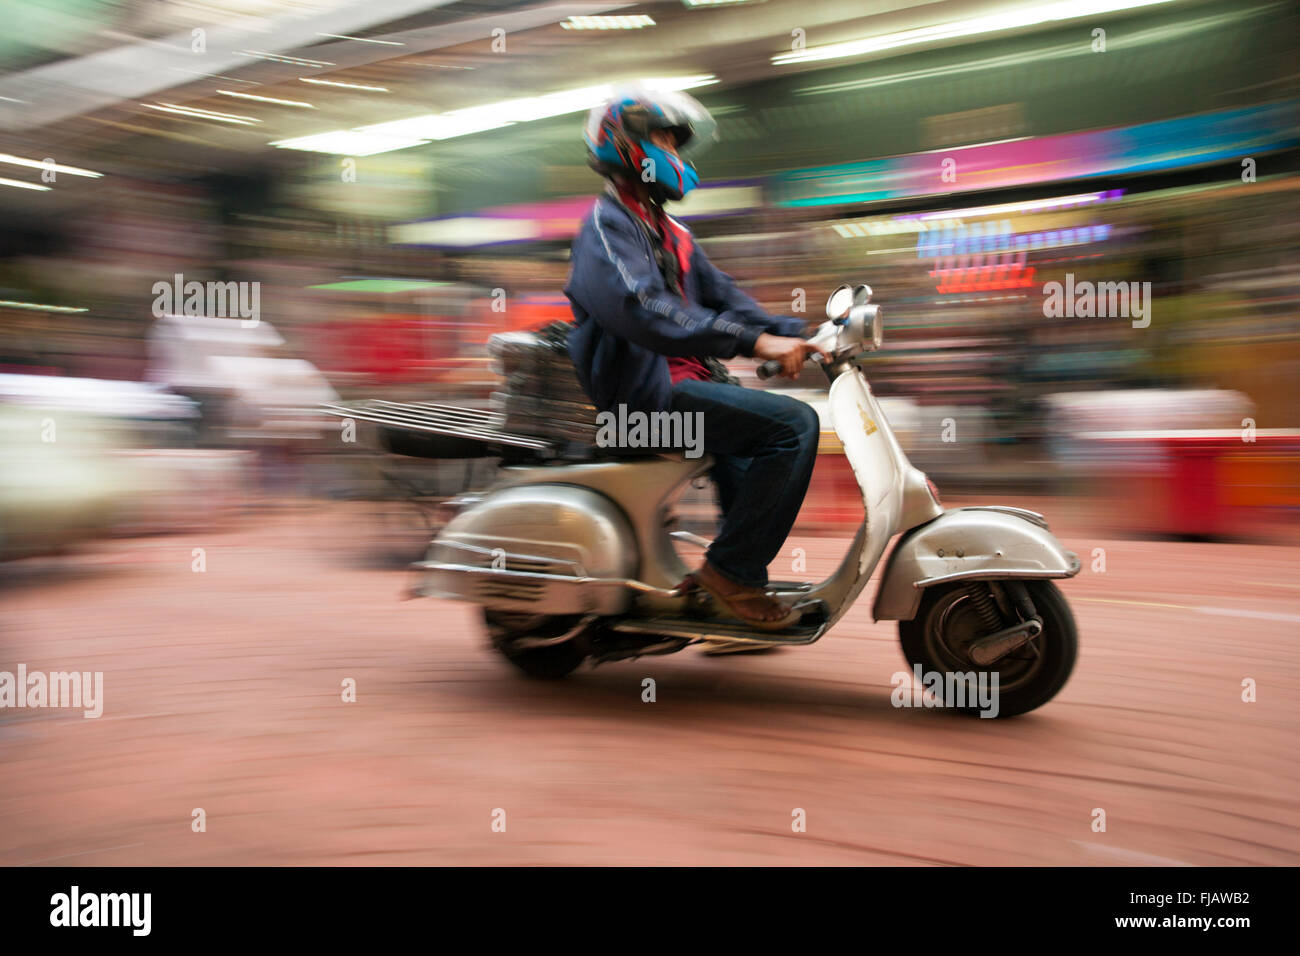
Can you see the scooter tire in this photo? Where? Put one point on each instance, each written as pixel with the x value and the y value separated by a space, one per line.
pixel 542 663
pixel 1058 644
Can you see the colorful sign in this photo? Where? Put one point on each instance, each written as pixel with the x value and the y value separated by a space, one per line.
pixel 1147 147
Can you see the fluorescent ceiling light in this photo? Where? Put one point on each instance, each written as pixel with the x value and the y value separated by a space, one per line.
pixel 217 76
pixel 6 304
pixel 1013 19
pixel 33 164
pixel 715 3
pixel 348 142
pixel 1056 52
pixel 675 82
pixel 339 36
pixel 1029 205
pixel 266 99
pixel 433 126
pixel 19 184
pixel 280 58
pixel 607 23
pixel 346 86
pixel 400 134
pixel 193 112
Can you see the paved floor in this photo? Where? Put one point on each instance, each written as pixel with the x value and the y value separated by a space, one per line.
pixel 223 691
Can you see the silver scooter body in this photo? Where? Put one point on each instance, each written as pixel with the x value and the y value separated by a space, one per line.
pixel 593 539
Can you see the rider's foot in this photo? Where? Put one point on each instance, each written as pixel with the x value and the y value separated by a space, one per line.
pixel 752 605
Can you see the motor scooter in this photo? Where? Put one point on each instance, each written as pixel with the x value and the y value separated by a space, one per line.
pixel 573 561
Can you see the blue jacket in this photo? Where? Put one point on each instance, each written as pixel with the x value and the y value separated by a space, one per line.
pixel 628 320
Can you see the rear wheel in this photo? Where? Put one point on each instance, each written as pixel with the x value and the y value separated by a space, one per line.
pixel 951 618
pixel 508 630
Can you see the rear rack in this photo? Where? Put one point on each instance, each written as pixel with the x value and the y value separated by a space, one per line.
pixel 431 417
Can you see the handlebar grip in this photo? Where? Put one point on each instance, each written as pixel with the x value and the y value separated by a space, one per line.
pixel 768 369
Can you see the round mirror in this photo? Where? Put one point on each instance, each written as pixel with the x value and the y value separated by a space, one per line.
pixel 841 300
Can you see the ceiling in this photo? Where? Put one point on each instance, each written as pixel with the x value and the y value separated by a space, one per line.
pixel 101 93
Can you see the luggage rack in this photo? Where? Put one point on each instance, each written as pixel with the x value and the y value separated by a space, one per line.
pixel 433 418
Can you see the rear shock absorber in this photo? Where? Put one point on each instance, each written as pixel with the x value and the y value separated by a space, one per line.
pixel 985 606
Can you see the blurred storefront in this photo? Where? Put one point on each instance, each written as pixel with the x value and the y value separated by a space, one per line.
pixel 963 180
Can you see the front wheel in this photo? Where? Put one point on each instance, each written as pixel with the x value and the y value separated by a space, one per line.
pixel 951 618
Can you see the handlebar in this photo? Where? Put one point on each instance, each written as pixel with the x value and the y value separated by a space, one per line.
pixel 848 330
pixel 773 367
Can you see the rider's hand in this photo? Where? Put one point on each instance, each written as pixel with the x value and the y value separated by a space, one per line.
pixel 790 352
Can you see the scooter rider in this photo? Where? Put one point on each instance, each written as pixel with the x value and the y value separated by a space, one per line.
pixel 651 310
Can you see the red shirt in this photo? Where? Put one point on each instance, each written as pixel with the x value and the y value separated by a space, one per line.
pixel 677 242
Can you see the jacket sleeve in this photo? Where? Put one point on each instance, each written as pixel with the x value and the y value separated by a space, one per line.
pixel 719 291
pixel 618 284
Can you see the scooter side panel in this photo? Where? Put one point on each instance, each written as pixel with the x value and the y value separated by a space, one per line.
pixel 530 550
pixel 642 487
pixel 602 520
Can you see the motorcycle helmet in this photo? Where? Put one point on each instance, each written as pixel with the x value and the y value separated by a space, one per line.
pixel 618 139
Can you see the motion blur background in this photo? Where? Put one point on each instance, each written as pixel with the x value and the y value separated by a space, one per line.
pixel 401 179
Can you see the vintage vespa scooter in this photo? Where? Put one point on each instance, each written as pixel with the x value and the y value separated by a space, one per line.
pixel 576 561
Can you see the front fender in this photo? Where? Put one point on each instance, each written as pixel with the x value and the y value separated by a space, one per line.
pixel 965 544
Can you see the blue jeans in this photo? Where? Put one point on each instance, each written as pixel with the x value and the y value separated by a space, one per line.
pixel 765 446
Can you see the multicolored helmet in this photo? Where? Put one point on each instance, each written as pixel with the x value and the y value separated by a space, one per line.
pixel 618 139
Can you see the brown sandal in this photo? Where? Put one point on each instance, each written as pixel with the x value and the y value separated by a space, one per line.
pixel 754 606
